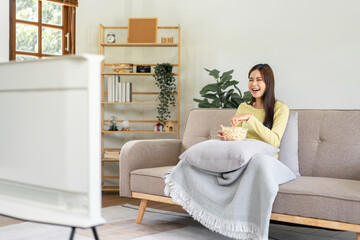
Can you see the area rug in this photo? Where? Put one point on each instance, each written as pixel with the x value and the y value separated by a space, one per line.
pixel 156 225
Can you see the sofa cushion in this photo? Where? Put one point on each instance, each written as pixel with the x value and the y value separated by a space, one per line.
pixel 329 143
pixel 225 156
pixel 203 124
pixel 288 154
pixel 319 197
pixel 149 180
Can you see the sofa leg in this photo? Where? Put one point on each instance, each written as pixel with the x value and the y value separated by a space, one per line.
pixel 357 236
pixel 141 212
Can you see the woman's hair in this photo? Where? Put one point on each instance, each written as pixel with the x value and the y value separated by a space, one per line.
pixel 269 95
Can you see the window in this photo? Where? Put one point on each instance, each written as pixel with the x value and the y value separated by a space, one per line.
pixel 41 28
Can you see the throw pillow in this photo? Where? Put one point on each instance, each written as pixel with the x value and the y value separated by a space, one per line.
pixel 288 154
pixel 225 156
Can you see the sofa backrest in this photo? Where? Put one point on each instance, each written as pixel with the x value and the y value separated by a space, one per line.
pixel 329 143
pixel 329 140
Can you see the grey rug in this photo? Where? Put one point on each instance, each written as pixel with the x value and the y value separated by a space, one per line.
pixel 156 225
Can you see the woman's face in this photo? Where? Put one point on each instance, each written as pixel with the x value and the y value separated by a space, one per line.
pixel 257 85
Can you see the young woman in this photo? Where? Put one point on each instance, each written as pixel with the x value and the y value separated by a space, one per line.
pixel 238 203
pixel 264 116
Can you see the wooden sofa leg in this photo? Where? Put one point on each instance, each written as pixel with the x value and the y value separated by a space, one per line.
pixel 141 212
pixel 357 236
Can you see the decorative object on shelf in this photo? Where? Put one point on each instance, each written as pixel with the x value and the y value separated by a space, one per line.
pixel 113 124
pixel 110 38
pixel 158 127
pixel 167 39
pixel 111 154
pixel 143 69
pixel 129 67
pixel 119 68
pixel 222 98
pixel 142 30
pixel 166 82
pixel 169 127
pixel 125 125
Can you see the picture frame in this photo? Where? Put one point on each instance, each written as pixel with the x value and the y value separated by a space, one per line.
pixel 142 30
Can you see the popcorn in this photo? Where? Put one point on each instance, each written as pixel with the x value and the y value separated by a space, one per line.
pixel 234 133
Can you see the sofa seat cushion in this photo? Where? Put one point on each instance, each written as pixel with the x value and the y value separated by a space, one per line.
pixel 319 197
pixel 149 180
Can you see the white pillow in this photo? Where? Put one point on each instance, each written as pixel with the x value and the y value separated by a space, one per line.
pixel 288 154
pixel 225 156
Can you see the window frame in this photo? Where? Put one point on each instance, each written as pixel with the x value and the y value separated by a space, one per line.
pixel 68 26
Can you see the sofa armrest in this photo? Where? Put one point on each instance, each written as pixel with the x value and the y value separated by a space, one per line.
pixel 138 154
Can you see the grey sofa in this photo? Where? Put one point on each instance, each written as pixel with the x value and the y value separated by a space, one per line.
pixel 326 195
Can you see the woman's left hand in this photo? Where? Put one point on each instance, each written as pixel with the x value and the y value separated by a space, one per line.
pixel 238 118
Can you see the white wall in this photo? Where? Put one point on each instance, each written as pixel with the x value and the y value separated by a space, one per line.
pixel 4 30
pixel 313 46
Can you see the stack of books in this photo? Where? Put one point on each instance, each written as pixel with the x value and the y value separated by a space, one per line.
pixel 111 154
pixel 119 91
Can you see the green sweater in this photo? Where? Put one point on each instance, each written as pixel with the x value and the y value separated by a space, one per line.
pixel 256 128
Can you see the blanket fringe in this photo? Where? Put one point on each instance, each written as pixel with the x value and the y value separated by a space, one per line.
pixel 229 228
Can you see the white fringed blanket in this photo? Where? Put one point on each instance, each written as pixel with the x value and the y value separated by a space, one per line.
pixel 236 204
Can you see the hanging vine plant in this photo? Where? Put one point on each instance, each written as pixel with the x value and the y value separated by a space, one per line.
pixel 166 82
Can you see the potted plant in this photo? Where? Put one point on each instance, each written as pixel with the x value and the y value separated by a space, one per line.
pixel 219 93
pixel 166 82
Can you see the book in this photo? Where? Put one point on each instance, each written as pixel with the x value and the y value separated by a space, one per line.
pixel 117 83
pixel 114 89
pixel 123 92
pixel 118 88
pixel 128 92
pixel 110 89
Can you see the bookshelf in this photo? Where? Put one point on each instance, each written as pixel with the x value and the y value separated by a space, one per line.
pixel 136 78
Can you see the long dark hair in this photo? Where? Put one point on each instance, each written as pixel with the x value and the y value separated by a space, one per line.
pixel 269 95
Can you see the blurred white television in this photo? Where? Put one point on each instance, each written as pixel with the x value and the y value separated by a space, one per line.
pixel 50 140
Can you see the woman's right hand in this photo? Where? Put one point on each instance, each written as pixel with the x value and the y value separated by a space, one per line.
pixel 220 134
pixel 238 118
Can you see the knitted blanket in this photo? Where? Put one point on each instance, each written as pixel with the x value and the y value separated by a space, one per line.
pixel 236 204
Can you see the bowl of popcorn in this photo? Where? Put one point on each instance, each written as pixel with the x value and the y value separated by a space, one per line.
pixel 234 133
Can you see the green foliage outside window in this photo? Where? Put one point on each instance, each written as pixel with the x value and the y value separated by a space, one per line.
pixel 26 38
pixel 51 13
pixel 27 35
pixel 27 10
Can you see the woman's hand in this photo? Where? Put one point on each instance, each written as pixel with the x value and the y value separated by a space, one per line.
pixel 238 118
pixel 220 134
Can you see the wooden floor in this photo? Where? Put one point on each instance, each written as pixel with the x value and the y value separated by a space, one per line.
pixel 112 199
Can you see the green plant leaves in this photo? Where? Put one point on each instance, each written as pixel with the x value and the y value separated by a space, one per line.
pixel 206 104
pixel 213 87
pixel 166 82
pixel 218 95
pixel 215 73
pixel 226 76
pixel 228 84
pixel 247 96
pixel 210 95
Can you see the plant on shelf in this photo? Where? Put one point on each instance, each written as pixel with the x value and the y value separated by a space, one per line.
pixel 219 94
pixel 166 82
